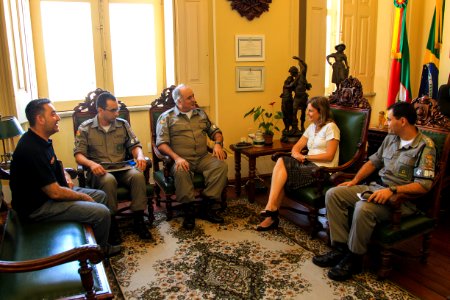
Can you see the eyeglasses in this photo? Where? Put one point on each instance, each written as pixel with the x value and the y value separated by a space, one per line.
pixel 113 110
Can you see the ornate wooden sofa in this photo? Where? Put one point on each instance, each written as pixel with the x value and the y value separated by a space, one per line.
pixel 50 260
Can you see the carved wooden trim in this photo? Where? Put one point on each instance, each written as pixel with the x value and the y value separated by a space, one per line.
pixel 350 94
pixel 88 106
pixel 428 113
pixel 165 101
pixel 250 8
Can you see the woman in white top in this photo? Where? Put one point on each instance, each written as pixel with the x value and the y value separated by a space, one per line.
pixel 294 172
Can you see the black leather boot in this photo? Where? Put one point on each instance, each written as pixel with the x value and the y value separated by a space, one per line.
pixel 114 233
pixel 139 226
pixel 208 213
pixel 189 216
pixel 350 265
pixel 333 257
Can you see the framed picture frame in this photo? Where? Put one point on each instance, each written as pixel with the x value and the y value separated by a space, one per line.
pixel 250 79
pixel 250 47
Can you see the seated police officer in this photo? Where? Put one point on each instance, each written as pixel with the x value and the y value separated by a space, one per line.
pixel 406 164
pixel 181 134
pixel 107 138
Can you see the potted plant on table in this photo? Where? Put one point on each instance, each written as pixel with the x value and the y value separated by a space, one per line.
pixel 268 120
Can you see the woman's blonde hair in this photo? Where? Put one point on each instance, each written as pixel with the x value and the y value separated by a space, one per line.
pixel 323 107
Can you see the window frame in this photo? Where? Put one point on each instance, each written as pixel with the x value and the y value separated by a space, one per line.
pixel 102 50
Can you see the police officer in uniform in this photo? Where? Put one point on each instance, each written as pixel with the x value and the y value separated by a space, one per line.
pixel 406 163
pixel 181 134
pixel 107 138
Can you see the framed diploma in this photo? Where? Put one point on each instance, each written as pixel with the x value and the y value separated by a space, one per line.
pixel 249 48
pixel 249 79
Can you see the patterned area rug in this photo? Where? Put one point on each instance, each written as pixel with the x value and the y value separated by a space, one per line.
pixel 233 261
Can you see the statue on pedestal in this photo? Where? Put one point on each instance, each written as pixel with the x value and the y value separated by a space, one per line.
pixel 287 101
pixel 340 65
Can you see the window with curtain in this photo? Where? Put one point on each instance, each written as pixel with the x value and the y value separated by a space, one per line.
pixel 83 44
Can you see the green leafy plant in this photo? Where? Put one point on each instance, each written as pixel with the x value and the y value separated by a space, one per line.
pixel 268 119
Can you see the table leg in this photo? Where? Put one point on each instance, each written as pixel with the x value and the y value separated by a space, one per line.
pixel 237 168
pixel 251 178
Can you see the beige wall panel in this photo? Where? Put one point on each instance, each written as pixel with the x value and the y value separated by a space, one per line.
pixel 316 45
pixel 193 47
pixel 359 35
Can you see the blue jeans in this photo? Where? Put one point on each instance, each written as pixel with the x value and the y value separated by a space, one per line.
pixel 96 214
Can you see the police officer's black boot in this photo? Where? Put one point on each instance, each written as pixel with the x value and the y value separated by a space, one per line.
pixel 350 265
pixel 189 216
pixel 139 226
pixel 208 213
pixel 114 233
pixel 333 257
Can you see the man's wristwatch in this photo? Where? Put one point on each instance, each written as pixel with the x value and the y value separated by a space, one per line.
pixel 393 189
pixel 218 143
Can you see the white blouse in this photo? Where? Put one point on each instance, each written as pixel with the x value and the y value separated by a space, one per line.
pixel 317 142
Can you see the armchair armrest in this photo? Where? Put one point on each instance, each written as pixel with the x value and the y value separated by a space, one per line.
pixel 4 174
pixel 81 176
pixel 339 177
pixel 72 172
pixel 277 155
pixel 83 253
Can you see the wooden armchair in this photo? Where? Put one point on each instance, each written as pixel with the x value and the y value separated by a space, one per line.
pixel 162 163
pixel 50 260
pixel 351 112
pixel 398 229
pixel 87 110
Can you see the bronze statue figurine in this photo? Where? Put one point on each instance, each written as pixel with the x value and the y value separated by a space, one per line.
pixel 296 82
pixel 287 101
pixel 300 97
pixel 340 65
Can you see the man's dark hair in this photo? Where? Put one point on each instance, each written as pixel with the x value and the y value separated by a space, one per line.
pixel 102 98
pixel 35 108
pixel 405 110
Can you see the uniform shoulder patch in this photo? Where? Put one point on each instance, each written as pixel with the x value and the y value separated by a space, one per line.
pixel 428 141
pixel 86 123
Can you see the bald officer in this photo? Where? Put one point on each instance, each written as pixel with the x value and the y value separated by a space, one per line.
pixel 107 138
pixel 181 134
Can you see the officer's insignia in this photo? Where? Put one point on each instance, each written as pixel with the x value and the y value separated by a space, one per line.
pixel 405 172
pixel 427 164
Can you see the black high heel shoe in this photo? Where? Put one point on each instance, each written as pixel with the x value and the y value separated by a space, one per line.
pixel 275 220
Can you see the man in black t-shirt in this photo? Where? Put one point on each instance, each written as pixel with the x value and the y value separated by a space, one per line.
pixel 39 189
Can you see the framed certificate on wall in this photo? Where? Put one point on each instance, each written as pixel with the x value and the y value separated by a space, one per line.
pixel 250 48
pixel 249 79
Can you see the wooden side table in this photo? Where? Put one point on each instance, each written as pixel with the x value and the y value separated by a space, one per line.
pixel 252 153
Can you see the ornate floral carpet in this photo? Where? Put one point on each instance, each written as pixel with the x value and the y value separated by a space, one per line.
pixel 233 261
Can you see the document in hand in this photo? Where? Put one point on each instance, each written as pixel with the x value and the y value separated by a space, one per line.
pixel 364 195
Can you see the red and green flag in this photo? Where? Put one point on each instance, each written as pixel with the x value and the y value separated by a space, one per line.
pixel 399 82
pixel 430 70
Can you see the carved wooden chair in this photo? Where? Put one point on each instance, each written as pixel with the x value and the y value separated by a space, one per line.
pixel 351 112
pixel 435 125
pixel 87 110
pixel 398 229
pixel 162 163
